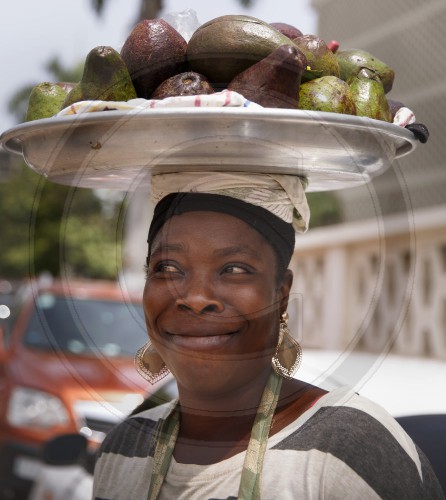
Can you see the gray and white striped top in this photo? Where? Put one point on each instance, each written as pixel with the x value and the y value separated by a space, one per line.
pixel 343 447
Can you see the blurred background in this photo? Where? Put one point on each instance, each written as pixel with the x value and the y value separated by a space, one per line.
pixel 370 276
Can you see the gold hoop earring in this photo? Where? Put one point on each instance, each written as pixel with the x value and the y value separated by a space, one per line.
pixel 288 355
pixel 149 364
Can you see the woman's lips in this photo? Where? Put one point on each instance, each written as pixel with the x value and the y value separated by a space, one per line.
pixel 196 341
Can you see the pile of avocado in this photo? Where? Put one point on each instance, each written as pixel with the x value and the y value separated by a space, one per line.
pixel 274 65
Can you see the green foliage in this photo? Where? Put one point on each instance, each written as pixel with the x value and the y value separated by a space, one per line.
pixel 90 248
pixel 325 209
pixel 48 227
pixel 62 73
pixel 18 104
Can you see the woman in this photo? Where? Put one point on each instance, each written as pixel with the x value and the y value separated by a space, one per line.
pixel 215 302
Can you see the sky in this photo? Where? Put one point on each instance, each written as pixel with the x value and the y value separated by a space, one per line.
pixel 32 33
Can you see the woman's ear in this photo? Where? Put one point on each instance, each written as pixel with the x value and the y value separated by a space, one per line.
pixel 286 283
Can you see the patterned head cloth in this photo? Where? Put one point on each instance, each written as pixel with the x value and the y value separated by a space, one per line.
pixel 282 195
pixel 275 205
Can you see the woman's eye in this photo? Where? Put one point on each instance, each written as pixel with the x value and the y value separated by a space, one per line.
pixel 166 268
pixel 235 269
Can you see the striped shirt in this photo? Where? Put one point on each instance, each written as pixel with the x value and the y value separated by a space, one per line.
pixel 344 446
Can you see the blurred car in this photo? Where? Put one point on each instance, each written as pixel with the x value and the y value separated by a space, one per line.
pixel 429 433
pixel 66 366
pixel 65 473
pixel 403 385
pixel 6 292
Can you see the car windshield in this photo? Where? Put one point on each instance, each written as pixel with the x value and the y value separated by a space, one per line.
pixel 86 326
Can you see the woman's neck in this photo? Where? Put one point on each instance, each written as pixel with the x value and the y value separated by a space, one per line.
pixel 214 426
pixel 238 400
pixel 210 433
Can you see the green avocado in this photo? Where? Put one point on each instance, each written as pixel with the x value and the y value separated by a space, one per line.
pixel 369 96
pixel 352 61
pixel 225 46
pixel 321 60
pixel 105 78
pixel 328 93
pixel 46 100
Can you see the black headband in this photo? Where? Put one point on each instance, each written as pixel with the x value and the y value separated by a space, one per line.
pixel 279 234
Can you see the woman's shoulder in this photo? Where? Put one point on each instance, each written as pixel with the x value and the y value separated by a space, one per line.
pixel 341 418
pixel 136 431
pixel 357 417
pixel 125 457
pixel 354 434
pixel 156 412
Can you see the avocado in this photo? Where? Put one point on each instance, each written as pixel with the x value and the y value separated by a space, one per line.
pixel 274 81
pixel 288 30
pixel 328 93
pixel 369 96
pixel 188 83
pixel 153 52
pixel 227 45
pixel 321 60
pixel 353 60
pixel 105 78
pixel 46 99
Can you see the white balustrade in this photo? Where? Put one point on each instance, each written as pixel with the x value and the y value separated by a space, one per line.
pixel 376 285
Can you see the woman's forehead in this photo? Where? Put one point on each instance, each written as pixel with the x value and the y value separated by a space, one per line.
pixel 201 221
pixel 221 231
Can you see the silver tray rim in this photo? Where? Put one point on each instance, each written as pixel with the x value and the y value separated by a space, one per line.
pixel 14 139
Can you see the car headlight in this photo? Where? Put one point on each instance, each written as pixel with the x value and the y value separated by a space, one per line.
pixel 31 408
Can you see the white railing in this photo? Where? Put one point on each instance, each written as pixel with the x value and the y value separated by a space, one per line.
pixel 374 285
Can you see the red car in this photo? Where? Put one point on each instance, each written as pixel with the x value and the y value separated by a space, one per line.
pixel 66 365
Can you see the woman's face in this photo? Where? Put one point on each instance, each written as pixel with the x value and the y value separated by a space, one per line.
pixel 213 301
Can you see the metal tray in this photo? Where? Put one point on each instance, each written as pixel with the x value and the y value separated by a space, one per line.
pixel 121 149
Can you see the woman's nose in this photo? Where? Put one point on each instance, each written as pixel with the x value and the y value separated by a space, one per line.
pixel 199 297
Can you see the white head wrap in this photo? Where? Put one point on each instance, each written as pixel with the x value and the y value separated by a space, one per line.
pixel 282 195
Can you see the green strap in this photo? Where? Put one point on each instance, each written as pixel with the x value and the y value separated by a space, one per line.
pixel 165 445
pixel 252 468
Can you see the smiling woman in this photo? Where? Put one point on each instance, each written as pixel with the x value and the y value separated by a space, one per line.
pixel 215 302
